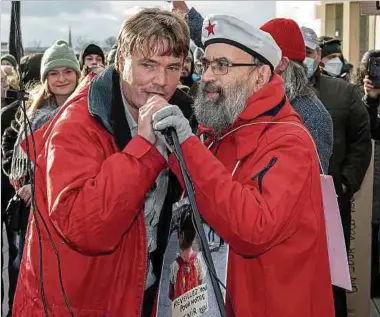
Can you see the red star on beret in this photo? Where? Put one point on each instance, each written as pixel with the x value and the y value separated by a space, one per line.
pixel 210 28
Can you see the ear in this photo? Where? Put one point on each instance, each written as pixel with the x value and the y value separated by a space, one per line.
pixel 265 75
pixel 120 62
pixel 260 78
pixel 282 66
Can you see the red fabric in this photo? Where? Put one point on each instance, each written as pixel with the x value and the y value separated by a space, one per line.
pixel 288 37
pixel 87 194
pixel 187 276
pixel 278 261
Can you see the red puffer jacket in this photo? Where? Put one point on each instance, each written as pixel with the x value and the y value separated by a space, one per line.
pixel 90 195
pixel 270 212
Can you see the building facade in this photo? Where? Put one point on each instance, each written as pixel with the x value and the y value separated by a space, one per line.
pixel 4 48
pixel 355 23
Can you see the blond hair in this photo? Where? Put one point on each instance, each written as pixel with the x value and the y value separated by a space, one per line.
pixel 150 26
pixel 11 77
pixel 40 94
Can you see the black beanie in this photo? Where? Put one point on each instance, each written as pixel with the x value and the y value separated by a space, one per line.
pixel 92 49
pixel 331 47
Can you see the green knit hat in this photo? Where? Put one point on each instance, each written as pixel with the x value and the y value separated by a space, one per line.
pixel 10 59
pixel 58 55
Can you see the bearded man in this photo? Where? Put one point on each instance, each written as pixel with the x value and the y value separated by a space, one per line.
pixel 258 184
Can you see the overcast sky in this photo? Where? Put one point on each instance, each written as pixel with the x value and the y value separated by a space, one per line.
pixel 46 21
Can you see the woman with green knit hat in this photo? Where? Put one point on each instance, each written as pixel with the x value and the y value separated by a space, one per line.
pixel 60 73
pixel 8 60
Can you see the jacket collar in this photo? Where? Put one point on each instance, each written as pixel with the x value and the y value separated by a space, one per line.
pixel 105 91
pixel 265 103
pixel 100 97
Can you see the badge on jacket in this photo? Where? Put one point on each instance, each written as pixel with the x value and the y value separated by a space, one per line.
pixel 185 286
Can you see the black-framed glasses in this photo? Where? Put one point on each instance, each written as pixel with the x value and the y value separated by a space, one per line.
pixel 218 67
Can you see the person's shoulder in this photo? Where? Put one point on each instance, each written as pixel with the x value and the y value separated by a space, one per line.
pixel 317 105
pixel 338 82
pixel 174 265
pixel 75 119
pixel 291 135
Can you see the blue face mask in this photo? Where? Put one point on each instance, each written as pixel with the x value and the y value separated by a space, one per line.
pixel 196 78
pixel 311 65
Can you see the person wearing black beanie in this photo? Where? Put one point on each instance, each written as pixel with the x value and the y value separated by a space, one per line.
pixel 92 56
pixel 333 63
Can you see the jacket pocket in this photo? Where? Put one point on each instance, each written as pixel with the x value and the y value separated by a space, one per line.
pixel 260 175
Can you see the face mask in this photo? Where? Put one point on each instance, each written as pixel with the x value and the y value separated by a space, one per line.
pixel 196 78
pixel 311 65
pixel 333 67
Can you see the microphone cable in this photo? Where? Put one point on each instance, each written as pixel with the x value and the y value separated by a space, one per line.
pixel 171 134
pixel 36 212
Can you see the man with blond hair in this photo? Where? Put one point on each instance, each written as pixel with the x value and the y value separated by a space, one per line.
pixel 102 185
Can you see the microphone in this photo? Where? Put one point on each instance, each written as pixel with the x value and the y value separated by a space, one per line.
pixel 16 94
pixel 171 138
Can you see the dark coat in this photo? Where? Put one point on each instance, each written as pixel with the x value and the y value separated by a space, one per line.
pixel 352 148
pixel 7 191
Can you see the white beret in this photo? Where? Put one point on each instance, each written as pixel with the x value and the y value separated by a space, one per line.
pixel 222 28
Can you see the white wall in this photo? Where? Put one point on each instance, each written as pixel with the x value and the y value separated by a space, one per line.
pixel 303 12
pixel 377 33
pixel 253 12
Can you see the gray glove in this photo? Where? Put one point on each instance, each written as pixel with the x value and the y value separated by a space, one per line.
pixel 172 116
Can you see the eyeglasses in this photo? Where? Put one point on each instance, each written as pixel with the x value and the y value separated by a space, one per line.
pixel 218 67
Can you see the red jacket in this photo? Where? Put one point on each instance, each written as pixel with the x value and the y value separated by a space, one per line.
pixel 270 212
pixel 86 193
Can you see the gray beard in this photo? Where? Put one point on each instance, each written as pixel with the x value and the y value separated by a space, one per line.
pixel 218 114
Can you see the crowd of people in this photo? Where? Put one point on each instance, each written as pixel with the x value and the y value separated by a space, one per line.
pixel 260 113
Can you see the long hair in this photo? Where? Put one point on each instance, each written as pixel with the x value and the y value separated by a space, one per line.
pixel 11 77
pixel 296 81
pixel 40 94
pixel 362 69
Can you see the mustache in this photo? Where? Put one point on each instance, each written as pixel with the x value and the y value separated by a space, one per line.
pixel 159 90
pixel 211 87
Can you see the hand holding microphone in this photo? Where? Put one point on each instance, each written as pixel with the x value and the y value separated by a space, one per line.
pixel 172 117
pixel 145 121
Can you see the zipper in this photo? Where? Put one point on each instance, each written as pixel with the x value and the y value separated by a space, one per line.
pixel 146 270
pixel 260 175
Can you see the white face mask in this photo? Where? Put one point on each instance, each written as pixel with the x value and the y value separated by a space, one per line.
pixel 311 65
pixel 333 67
